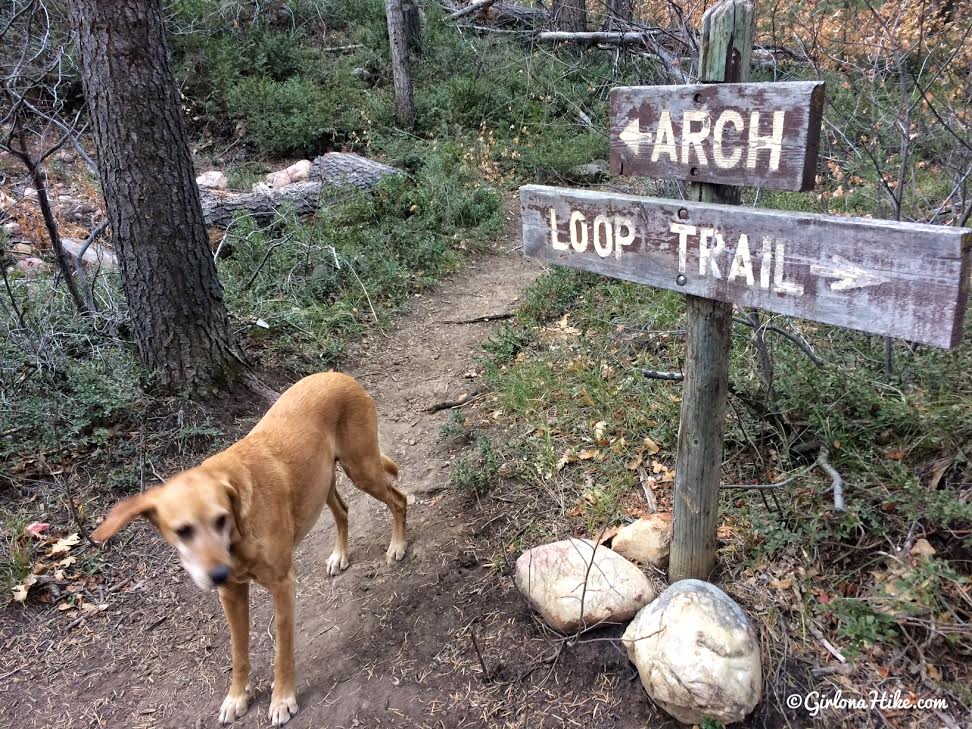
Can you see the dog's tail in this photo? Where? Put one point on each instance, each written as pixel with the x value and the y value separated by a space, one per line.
pixel 391 468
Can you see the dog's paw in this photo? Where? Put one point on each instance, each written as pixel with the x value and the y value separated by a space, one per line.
pixel 282 708
pixel 234 706
pixel 337 563
pixel 395 552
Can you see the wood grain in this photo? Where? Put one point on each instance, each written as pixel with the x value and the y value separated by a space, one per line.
pixel 637 112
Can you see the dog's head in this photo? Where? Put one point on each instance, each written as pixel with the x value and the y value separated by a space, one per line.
pixel 196 512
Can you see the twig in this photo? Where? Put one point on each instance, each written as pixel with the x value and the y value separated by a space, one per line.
pixel 266 257
pixel 482 663
pixel 837 483
pixel 478 319
pixel 649 496
pixel 827 644
pixel 662 375
pixel 342 49
pixel 449 404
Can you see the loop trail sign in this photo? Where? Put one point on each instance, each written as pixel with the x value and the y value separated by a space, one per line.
pixel 904 280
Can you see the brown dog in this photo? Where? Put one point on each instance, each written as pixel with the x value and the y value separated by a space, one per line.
pixel 239 515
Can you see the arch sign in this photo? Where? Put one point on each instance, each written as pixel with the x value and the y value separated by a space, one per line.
pixel 905 280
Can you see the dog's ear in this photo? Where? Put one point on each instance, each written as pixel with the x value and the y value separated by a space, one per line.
pixel 236 502
pixel 122 514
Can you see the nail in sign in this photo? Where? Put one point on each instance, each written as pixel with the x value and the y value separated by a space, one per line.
pixel 905 280
pixel 757 134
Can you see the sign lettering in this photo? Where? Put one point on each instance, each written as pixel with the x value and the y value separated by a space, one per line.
pixel 900 279
pixel 760 134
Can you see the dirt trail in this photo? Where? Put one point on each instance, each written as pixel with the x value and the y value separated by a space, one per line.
pixel 377 645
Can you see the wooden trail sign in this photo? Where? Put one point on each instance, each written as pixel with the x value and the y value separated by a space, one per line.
pixel 905 280
pixel 760 134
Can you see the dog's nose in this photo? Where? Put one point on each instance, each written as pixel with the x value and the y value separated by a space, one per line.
pixel 219 574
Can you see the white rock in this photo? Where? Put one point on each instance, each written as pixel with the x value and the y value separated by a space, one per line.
pixel 647 541
pixel 31 264
pixel 297 172
pixel 12 228
pixel 552 577
pixel 22 249
pixel 30 192
pixel 214 179
pixel 95 255
pixel 697 654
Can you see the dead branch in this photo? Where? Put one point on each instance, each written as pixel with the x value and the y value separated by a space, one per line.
pixel 333 176
pixel 837 483
pixel 470 9
pixel 662 375
pixel 479 319
pixel 449 404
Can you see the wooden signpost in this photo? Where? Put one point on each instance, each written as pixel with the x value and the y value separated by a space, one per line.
pixel 898 279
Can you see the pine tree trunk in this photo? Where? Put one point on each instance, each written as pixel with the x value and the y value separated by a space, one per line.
pixel 402 75
pixel 168 273
pixel 569 15
pixel 618 15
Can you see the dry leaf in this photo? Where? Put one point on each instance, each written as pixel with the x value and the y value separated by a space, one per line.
pixel 20 591
pixel 922 549
pixel 67 561
pixel 588 453
pixel 599 428
pixel 63 545
pixel 568 457
pixel 651 446
pixel 636 462
pixel 785 584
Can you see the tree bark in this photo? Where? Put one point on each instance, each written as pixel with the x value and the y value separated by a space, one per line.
pixel 618 15
pixel 401 73
pixel 413 26
pixel 569 15
pixel 174 296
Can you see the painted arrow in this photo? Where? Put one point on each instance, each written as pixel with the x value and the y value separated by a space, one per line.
pixel 632 135
pixel 851 275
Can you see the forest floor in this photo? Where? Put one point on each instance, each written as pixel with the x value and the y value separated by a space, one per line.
pixel 376 646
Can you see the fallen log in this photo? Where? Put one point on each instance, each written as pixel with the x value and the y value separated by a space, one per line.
pixel 610 37
pixel 332 177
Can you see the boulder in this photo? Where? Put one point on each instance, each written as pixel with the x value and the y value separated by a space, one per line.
pixel 213 179
pixel 646 541
pixel 552 577
pixel 697 654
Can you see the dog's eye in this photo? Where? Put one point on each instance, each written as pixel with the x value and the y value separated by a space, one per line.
pixel 184 532
pixel 220 522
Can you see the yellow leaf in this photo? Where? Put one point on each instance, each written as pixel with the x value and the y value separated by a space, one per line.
pixel 651 446
pixel 635 462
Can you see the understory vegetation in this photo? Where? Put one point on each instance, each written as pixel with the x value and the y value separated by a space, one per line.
pixel 569 415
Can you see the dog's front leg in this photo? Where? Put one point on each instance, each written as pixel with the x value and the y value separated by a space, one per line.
pixel 236 604
pixel 283 702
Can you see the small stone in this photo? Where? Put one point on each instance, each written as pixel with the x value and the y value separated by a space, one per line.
pixel 552 577
pixel 213 179
pixel 697 654
pixel 646 541
pixel 30 193
pixel 96 255
pixel 12 228
pixel 22 249
pixel 31 264
pixel 591 172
